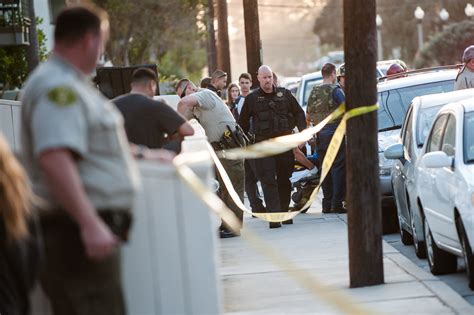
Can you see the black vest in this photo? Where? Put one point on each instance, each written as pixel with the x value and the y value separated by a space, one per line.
pixel 273 116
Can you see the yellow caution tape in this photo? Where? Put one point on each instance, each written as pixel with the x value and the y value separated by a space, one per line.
pixel 339 300
pixel 288 143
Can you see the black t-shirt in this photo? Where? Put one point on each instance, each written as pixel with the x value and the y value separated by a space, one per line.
pixel 147 122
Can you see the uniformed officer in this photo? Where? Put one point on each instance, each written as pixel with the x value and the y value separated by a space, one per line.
pixel 275 112
pixel 465 78
pixel 222 132
pixel 77 155
pixel 323 100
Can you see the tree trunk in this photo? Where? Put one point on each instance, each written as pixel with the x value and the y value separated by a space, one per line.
pixel 32 51
pixel 211 39
pixel 363 191
pixel 223 50
pixel 252 39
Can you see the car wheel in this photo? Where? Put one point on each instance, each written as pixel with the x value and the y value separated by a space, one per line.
pixel 420 247
pixel 404 235
pixel 467 252
pixel 440 262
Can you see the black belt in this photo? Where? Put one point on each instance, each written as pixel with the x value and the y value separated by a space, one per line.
pixel 118 220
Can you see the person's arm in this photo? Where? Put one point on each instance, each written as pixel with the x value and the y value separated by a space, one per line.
pixel 186 106
pixel 338 96
pixel 60 170
pixel 297 111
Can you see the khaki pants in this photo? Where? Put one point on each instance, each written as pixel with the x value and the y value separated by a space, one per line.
pixel 74 284
pixel 236 172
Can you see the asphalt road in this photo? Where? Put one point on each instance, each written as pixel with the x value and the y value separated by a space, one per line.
pixel 457 281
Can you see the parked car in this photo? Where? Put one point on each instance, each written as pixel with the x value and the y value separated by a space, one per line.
pixel 445 184
pixel 406 153
pixel 394 97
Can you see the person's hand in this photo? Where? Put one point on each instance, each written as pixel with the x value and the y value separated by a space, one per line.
pixel 161 155
pixel 98 240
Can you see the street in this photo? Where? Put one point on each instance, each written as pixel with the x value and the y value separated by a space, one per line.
pixel 457 281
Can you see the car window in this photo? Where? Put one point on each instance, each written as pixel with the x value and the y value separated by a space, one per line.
pixel 407 133
pixel 425 120
pixel 394 103
pixel 449 137
pixel 308 88
pixel 468 137
pixel 436 133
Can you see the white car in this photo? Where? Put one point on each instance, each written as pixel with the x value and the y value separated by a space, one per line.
pixel 406 152
pixel 445 184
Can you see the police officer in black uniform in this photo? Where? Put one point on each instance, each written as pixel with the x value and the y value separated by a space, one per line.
pixel 274 112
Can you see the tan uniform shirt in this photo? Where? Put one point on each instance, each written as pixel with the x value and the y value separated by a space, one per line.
pixel 465 79
pixel 61 109
pixel 213 114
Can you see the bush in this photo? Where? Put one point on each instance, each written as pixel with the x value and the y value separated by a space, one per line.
pixel 446 47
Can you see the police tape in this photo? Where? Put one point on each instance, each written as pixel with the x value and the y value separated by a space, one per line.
pixel 268 148
pixel 337 299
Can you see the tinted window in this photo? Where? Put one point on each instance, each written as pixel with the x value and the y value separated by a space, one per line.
pixel 394 103
pixel 425 120
pixel 449 138
pixel 469 137
pixel 436 133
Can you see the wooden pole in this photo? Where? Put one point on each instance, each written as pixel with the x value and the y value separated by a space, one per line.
pixel 211 39
pixel 32 50
pixel 363 191
pixel 252 39
pixel 223 50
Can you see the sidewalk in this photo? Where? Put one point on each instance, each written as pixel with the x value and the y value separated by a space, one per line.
pixel 317 243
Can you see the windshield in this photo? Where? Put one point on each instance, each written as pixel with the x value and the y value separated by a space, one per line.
pixel 425 120
pixel 469 137
pixel 308 88
pixel 394 103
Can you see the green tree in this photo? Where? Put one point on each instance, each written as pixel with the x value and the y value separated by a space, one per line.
pixel 170 33
pixel 13 65
pixel 446 47
pixel 399 23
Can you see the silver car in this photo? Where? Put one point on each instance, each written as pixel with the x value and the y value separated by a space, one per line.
pixel 406 152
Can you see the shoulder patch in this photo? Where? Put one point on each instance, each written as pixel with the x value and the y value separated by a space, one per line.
pixel 62 96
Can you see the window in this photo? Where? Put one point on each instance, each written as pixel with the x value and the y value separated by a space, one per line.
pixel 55 6
pixel 469 137
pixel 449 138
pixel 394 103
pixel 425 120
pixel 407 134
pixel 436 133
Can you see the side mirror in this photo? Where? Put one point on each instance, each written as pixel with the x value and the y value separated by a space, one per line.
pixel 437 159
pixel 394 152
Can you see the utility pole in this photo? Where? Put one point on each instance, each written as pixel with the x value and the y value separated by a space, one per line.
pixel 252 39
pixel 223 50
pixel 211 38
pixel 32 50
pixel 363 191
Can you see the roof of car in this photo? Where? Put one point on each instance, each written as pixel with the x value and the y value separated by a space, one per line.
pixel 312 75
pixel 437 99
pixel 417 79
pixel 468 104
